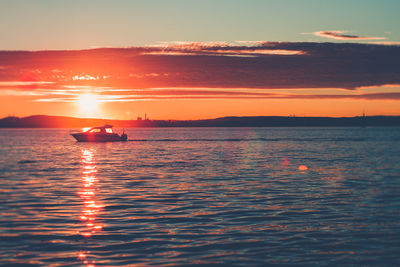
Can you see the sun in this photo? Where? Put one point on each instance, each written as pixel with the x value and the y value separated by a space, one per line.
pixel 88 104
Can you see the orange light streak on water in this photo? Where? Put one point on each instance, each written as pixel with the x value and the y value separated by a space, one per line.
pixel 91 206
pixel 303 168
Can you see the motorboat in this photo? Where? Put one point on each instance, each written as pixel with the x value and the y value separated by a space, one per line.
pixel 99 134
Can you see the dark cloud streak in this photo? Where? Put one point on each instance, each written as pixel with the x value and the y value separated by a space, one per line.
pixel 311 65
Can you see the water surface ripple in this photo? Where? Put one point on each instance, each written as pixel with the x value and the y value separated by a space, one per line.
pixel 201 196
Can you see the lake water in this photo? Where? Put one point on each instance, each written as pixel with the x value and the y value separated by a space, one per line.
pixel 201 196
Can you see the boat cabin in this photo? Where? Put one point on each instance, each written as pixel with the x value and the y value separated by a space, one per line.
pixel 102 129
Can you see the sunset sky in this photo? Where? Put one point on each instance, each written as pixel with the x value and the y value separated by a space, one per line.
pixel 199 59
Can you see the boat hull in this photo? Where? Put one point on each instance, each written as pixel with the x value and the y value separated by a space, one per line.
pixel 99 137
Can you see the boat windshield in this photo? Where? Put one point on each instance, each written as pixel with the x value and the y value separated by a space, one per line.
pixel 108 130
pixel 94 131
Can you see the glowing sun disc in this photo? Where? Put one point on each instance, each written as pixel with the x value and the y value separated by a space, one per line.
pixel 88 103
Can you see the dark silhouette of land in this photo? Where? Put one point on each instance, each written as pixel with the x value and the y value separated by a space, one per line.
pixel 42 121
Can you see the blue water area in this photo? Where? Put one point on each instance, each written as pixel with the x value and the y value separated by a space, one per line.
pixel 201 196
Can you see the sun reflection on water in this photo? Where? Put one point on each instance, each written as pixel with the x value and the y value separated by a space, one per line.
pixel 91 206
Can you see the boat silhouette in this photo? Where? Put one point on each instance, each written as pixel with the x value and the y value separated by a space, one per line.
pixel 100 134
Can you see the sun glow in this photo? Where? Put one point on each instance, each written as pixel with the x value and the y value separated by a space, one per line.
pixel 88 104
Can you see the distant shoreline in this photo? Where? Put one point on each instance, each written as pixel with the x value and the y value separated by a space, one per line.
pixel 44 121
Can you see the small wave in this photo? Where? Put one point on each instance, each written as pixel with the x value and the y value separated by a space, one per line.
pixel 27 161
pixel 202 140
pixel 253 140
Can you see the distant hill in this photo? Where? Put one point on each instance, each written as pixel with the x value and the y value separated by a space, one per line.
pixel 42 121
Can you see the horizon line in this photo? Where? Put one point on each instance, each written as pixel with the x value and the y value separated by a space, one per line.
pixel 213 118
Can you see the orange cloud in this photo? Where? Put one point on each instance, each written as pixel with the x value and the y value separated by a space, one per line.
pixel 385 43
pixel 108 95
pixel 341 35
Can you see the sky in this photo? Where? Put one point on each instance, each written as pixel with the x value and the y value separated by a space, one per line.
pixel 199 59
